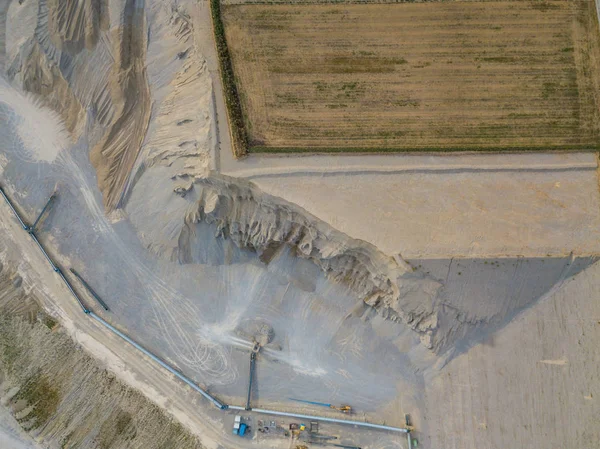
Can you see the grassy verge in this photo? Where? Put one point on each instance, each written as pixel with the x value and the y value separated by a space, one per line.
pixel 239 136
pixel 579 147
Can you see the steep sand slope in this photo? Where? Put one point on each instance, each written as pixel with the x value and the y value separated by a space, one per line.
pixel 88 66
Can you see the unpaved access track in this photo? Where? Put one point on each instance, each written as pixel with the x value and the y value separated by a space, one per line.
pixel 139 372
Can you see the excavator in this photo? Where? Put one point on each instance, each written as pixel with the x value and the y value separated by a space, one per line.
pixel 340 408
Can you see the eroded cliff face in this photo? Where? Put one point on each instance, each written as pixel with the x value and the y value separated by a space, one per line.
pixel 455 306
pixel 254 220
pixel 60 395
pixel 98 64
pixel 180 134
pixel 86 61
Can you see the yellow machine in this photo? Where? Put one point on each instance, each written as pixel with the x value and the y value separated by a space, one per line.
pixel 341 408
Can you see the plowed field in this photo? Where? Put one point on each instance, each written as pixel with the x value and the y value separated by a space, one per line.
pixel 428 76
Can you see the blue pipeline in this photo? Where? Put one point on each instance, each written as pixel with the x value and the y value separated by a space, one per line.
pixel 310 402
pixel 37 242
pixel 68 284
pixel 180 376
pixel 159 361
pixel 331 420
pixel 100 320
pixel 23 225
pixel 90 289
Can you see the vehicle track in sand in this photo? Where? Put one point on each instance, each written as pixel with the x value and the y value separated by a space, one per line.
pixel 206 357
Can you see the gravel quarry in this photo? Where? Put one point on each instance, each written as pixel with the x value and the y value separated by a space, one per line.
pixel 461 289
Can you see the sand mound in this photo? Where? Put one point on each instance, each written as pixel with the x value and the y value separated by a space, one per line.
pixel 102 90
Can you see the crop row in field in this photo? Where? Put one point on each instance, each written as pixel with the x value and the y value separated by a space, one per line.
pixel 428 76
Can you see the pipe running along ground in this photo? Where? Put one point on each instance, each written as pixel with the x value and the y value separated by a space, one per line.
pixel 215 401
pixel 331 420
pixel 180 376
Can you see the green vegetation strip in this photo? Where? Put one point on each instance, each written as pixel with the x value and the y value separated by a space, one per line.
pixel 232 99
pixel 366 150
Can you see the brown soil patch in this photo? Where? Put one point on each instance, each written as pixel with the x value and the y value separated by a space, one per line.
pixel 456 75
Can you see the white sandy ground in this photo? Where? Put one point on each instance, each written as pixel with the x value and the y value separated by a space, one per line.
pixel 11 434
pixel 39 128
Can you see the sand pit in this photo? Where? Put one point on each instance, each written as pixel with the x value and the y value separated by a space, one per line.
pixel 439 286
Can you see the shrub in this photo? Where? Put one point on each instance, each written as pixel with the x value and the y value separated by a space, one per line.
pixel 232 99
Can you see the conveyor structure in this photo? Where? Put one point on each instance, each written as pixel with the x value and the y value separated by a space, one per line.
pixel 219 404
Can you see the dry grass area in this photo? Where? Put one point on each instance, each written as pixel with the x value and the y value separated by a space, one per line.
pixel 426 76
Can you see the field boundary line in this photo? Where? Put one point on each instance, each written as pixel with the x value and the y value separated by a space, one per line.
pixel 338 2
pixel 233 106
